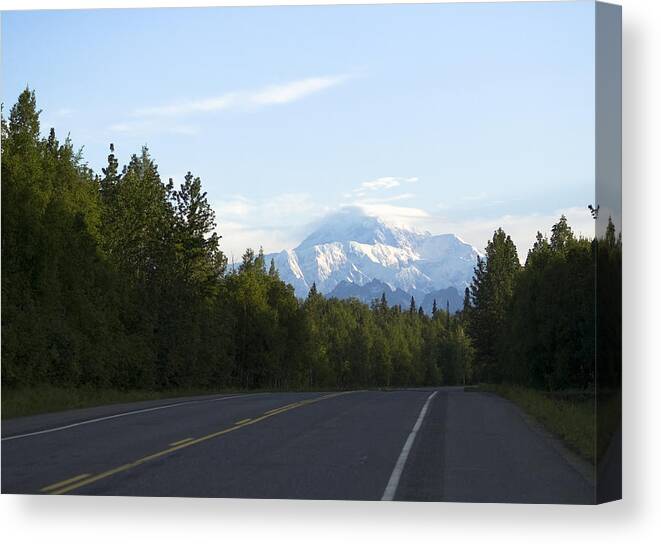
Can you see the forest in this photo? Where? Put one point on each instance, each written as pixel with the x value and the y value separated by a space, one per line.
pixel 117 279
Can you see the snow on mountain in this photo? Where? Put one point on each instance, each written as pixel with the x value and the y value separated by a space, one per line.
pixel 353 247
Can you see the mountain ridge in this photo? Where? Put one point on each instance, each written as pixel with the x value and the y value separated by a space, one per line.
pixel 353 247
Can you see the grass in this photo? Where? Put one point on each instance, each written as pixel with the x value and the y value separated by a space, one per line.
pixel 570 418
pixel 44 398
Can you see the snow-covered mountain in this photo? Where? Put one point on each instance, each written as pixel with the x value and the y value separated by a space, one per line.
pixel 357 248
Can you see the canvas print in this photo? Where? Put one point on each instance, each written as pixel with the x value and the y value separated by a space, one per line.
pixel 316 252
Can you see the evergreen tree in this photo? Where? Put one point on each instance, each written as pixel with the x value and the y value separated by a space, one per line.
pixel 118 281
pixel 200 261
pixel 111 177
pixel 491 291
pixel 383 304
pixel 313 290
pixel 447 314
pixel 260 262
pixel 273 271
pixel 561 235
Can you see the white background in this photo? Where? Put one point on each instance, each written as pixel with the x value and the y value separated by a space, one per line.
pixel 635 519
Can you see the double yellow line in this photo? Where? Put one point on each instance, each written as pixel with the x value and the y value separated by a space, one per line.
pixel 82 480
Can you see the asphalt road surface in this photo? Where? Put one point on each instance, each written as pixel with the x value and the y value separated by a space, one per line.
pixel 440 444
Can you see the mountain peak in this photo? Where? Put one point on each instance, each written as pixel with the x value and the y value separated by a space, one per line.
pixel 353 246
pixel 353 224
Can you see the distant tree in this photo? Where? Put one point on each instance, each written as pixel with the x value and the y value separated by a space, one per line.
pixel 118 280
pixel 313 290
pixel 561 235
pixel 273 271
pixel 111 177
pixel 196 242
pixel 247 261
pixel 447 314
pixel 260 260
pixel 491 293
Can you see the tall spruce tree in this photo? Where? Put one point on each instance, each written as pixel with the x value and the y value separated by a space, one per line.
pixel 491 291
pixel 199 258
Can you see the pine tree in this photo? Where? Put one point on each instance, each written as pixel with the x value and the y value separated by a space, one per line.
pixel 412 307
pixel 111 176
pixel 197 243
pixel 313 290
pixel 491 293
pixel 247 261
pixel 561 234
pixel 273 271
pixel 447 314
pixel 24 119
pixel 260 261
pixel 434 309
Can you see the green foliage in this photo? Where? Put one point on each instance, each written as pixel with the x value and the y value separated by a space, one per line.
pixel 491 295
pixel 551 324
pixel 537 326
pixel 118 282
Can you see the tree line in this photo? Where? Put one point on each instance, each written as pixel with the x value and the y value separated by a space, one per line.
pixel 117 279
pixel 543 324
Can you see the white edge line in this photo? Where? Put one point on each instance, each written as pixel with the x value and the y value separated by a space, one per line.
pixel 123 414
pixel 391 488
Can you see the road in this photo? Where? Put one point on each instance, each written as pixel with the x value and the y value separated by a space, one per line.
pixel 440 444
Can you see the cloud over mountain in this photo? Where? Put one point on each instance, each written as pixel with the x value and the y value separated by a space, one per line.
pixel 356 247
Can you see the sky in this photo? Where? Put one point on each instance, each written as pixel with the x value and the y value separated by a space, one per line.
pixel 449 118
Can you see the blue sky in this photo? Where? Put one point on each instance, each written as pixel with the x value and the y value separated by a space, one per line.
pixel 450 117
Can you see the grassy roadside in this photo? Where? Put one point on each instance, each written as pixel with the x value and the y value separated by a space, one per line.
pixel 43 399
pixel 571 420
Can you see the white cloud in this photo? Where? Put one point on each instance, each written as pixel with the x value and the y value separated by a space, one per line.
pixel 247 99
pixel 381 200
pixel 380 183
pixel 142 127
pixel 237 206
pixel 275 222
pixel 237 237
pixel 399 215
pixel 280 222
pixel 295 90
pixel 522 228
pixel 386 182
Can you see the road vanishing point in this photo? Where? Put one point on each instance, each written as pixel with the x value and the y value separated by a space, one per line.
pixel 427 444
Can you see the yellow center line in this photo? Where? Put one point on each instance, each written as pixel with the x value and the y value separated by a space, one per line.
pixel 64 482
pixel 83 479
pixel 281 408
pixel 243 421
pixel 181 441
